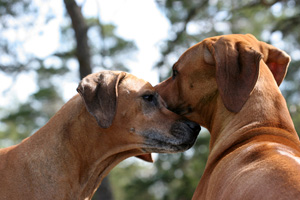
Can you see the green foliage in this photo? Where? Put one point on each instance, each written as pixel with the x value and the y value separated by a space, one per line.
pixel 295 114
pixel 13 7
pixel 192 21
pixel 106 46
pixel 112 47
pixel 25 118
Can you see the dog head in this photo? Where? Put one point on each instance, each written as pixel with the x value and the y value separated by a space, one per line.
pixel 131 109
pixel 224 66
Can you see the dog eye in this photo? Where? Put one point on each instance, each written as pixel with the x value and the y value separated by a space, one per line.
pixel 175 72
pixel 148 97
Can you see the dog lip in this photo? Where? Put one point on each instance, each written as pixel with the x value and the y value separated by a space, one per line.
pixel 183 134
pixel 196 128
pixel 162 147
pixel 178 143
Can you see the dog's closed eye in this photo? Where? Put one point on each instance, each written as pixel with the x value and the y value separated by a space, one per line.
pixel 174 71
pixel 150 98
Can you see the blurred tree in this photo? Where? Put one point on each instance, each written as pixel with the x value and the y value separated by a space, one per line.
pixel 174 176
pixel 31 115
pixel 80 28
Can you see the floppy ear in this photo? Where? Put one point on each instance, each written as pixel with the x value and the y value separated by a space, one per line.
pixel 277 61
pixel 237 69
pixel 100 92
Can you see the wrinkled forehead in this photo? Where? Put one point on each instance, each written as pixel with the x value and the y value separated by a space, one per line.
pixel 232 40
pixel 133 84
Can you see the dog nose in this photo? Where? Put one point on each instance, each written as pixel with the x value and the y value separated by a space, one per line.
pixel 194 126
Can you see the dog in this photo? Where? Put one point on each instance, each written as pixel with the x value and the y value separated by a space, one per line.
pixel 115 116
pixel 229 85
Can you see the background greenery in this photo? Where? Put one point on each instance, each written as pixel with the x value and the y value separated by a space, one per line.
pixel 95 45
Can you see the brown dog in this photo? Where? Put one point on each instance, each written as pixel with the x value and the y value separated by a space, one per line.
pixel 117 116
pixel 229 84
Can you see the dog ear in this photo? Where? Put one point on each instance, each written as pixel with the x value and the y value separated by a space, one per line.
pixel 237 69
pixel 277 61
pixel 100 93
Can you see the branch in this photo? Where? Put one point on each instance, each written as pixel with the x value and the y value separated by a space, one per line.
pixel 191 14
pixel 14 70
pixel 80 28
pixel 250 5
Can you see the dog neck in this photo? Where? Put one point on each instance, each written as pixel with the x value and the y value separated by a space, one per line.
pixel 265 107
pixel 71 154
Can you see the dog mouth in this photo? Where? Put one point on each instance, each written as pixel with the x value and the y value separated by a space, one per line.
pixel 183 135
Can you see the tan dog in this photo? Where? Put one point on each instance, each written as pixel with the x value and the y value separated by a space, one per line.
pixel 71 154
pixel 229 84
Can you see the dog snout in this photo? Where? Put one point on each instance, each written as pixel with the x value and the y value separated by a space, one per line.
pixel 182 136
pixel 185 129
pixel 193 126
pixel 186 132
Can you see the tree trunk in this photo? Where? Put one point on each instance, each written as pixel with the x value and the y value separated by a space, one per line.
pixel 80 29
pixel 104 192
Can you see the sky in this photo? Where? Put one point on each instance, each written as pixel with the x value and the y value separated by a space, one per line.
pixel 140 21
